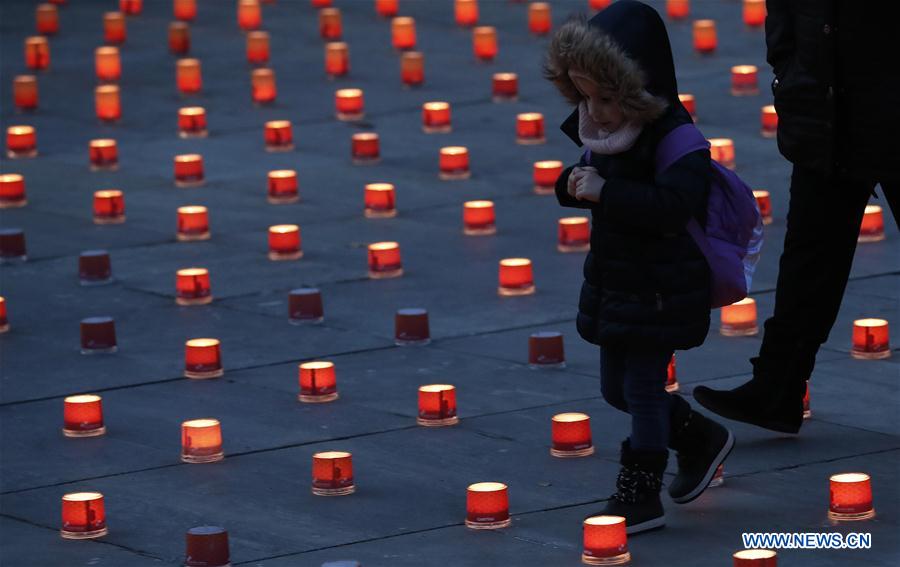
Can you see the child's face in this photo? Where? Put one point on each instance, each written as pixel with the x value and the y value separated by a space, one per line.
pixel 603 108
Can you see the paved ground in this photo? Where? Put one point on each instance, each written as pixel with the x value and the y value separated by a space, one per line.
pixel 410 503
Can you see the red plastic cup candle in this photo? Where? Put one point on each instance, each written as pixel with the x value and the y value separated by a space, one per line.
pixel 109 206
pixel 380 200
pixel 466 12
pixel 192 122
pixel 349 104
pixel 192 286
pixel 545 350
pixel 454 163
pixel 744 80
pixel 437 405
pixel 769 120
pixel 320 3
pixel 284 242
pixel 188 77
pixel 487 506
pixel 114 28
pixel 754 12
pixel 571 435
pixel 103 154
pixel 189 170
pixel 872 227
pixel 411 327
pixel 25 92
pixel 330 23
pixel 98 335
pixel 12 191
pixel 871 339
pixel 516 277
pixel 263 89
pixel 193 223
pixel 599 4
pixel 131 7
pixel 764 202
pixel 755 558
pixel 718 478
pixel 83 416
pixel 739 318
pixel 305 306
pixel 545 174
pixel 4 320
pixel 478 218
pixel 705 36
pixel 207 546
pixel 282 186
pixel 21 142
pixel 107 64
pixel 318 382
pixel 851 497
pixel 530 128
pixel 179 38
pixel 678 9
pixel 107 103
pixel 202 359
pixel 403 32
pixel 484 42
pixel 184 10
pixel 364 148
pixel 332 474
pixel 94 267
pixel 605 541
pixel 201 441
pixel 386 8
pixel 671 376
pixel 689 103
pixel 249 15
pixel 539 18
pixel 722 150
pixel 337 59
pixel 83 516
pixel 258 47
pixel 412 68
pixel 46 19
pixel 37 53
pixel 505 87
pixel 384 260
pixel 574 234
pixel 279 136
pixel 436 117
pixel 12 246
pixel 807 413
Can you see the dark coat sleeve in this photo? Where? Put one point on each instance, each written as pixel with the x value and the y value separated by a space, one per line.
pixel 562 194
pixel 780 40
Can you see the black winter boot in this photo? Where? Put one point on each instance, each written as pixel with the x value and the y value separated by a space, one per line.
pixel 637 490
pixel 702 445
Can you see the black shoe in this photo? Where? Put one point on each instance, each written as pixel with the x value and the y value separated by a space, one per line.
pixel 637 490
pixel 702 445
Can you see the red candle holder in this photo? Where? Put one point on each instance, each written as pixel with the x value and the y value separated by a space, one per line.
pixel 705 36
pixel 364 148
pixel 249 15
pixel 739 319
pixel 207 546
pixel 851 497
pixel 744 80
pixel 515 277
pixel 678 9
pixel 605 541
pixel 4 320
pixel 454 163
pixel 179 38
pixel 193 223
pixel 718 478
pixel 871 339
pixel 107 64
pixel 484 42
pixel 318 382
pixel 192 286
pixel 188 77
pixel 83 516
pixel 872 227
pixel 505 87
pixel 487 506
pixel 12 191
pixel 574 234
pixel 437 405
pixel 545 350
pixel 479 218
pixel 131 7
pixel 37 53
pixel 722 150
pixel 332 474
pixel 202 359
pixel 109 206
pixel 83 416
pixel 349 104
pixel 539 18
pixel 25 92
pixel 258 47
pixel 466 12
pixel 189 170
pixel 754 12
pixel 192 122
pixel 403 32
pixel 337 59
pixel 12 246
pixel 184 10
pixel 284 242
pixel 764 202
pixel 94 268
pixel 21 142
pixel 545 175
pixel 263 89
pixel 807 412
pixel 201 441
pixel 46 19
pixel 380 200
pixel 411 327
pixel 114 31
pixel 386 8
pixel 412 68
pixel 689 103
pixel 384 260
pixel 98 335
pixel 283 186
pixel 672 376
pixel 279 135
pixel 755 558
pixel 436 117
pixel 305 306
pixel 330 23
pixel 769 120
pixel 571 435
pixel 530 128
pixel 320 3
pixel 107 103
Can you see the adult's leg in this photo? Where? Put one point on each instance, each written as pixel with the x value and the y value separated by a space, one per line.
pixel 891 192
pixel 612 376
pixel 645 394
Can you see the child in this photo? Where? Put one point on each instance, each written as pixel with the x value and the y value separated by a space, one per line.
pixel 647 284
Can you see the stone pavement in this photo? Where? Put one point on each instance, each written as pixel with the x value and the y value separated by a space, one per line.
pixel 411 481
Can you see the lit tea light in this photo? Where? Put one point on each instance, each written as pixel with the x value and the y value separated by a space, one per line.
pixel 305 306
pixel 689 103
pixel 284 242
pixel 332 474
pixel 109 206
pixel 25 92
pixel 516 277
pixel 605 541
pixel 179 38
pixel 249 15
pixel 188 76
pixel 807 412
pixel 207 546
pixel 722 150
pixel 764 202
pixel 107 103
pixel 487 506
pixel 46 19
pixel 530 128
pixel 411 327
pixel 98 335
pixel 37 53
pixel 466 12
pixel 599 4
pixel 754 12
pixel 705 36
pixel 21 142
pixel 12 246
pixel 330 23
pixel 83 416
pixel 380 200
pixel 744 80
pixel 83 516
pixel 320 3
pixel 131 7
pixel 337 59
pixel 349 104
pixel 545 175
pixel 545 350
pixel 192 286
pixel 539 18
pixel 4 319
pixel 412 68
pixel 386 8
pixel 185 10
pixel 678 9
pixel 769 120
pixel 364 148
pixel 12 191
pixel 279 136
pixel 571 435
pixel 478 218
pixel 192 122
pixel 672 376
pixel 484 42
pixel 318 382
pixel 454 163
pixel 574 234
pixel 193 223
pixel 283 186
pixel 437 405
pixel 872 227
pixel 189 170
pixel 384 260
pixel 258 47
pixel 107 64
pixel 94 268
pixel 201 441
pixel 263 89
pixel 755 558
pixel 871 339
pixel 436 117
pixel 403 32
pixel 202 359
pixel 505 87
pixel 114 31
pixel 851 497
pixel 739 319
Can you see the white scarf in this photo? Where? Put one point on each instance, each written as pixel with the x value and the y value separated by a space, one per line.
pixel 600 141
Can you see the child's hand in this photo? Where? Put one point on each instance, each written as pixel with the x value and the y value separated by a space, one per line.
pixel 588 185
pixel 574 176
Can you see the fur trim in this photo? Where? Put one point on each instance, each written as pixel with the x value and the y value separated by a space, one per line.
pixel 577 45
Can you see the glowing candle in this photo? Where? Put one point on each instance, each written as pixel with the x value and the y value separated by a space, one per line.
pixel 249 14
pixel 487 506
pixel 4 320
pixel 871 339
pixel 872 227
pixel 193 223
pixel 192 122
pixel 403 32
pixel 484 42
pixel 755 558
pixel 743 80
pixel 317 382
pixel 466 12
pixel 189 170
pixel 114 27
pixel 505 87
pixel 478 218
pixel 12 246
pixel 436 117
pixel 807 413
pixel 689 103
pixel 671 376
pixel 94 268
pixel 284 242
pixel 201 441
pixel 545 350
pixel 384 260
pixel 722 150
pixel 599 4
pixel 12 191
pixel 571 435
pixel 279 136
pixel 179 38
pixel 386 8
pixel 305 306
pixel 574 234
pixel 454 163
pixel 678 9
pixel 98 335
pixel 349 104
pixel 192 286
pixel 258 47
pixel 37 53
pixel 705 36
pixel 320 3
pixel 188 76
pixel 337 59
pixel 545 175
pixel 131 7
pixel 530 128
pixel 364 147
pixel 411 327
pixel 764 202
pixel 739 319
pixel 25 92
pixel 83 516
pixel 107 64
pixel 718 478
pixel 185 10
pixel 83 416
pixel 754 12
pixel 46 19
pixel 282 186
pixel 332 474
pixel 605 541
pixel 21 142
pixel 515 277
pixel 851 497
pixel 539 19
pixel 380 200
pixel 412 68
pixel 207 546
pixel 769 119
pixel 202 359
pixel 109 206
pixel 330 23
pixel 437 405
pixel 107 103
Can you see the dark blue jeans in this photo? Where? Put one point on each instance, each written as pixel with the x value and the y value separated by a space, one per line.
pixel 633 379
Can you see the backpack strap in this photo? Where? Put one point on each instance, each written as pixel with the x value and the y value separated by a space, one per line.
pixel 679 142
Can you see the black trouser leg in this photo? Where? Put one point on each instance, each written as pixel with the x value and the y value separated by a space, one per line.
pixel 891 193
